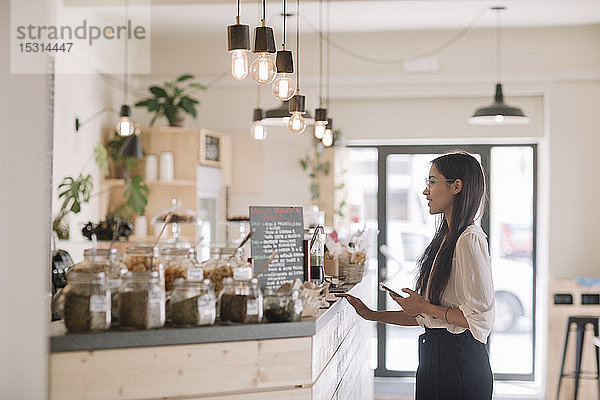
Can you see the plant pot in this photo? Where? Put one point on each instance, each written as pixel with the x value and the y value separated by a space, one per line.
pixel 60 225
pixel 119 170
pixel 178 119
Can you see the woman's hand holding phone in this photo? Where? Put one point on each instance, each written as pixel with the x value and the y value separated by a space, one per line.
pixel 413 305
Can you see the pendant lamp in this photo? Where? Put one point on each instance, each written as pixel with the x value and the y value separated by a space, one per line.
pixel 329 136
pixel 262 69
pixel 238 44
pixel 283 85
pixel 498 113
pixel 258 131
pixel 125 126
pixel 321 112
pixel 297 103
pixel 280 116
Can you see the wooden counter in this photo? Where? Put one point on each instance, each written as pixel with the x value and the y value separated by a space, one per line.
pixel 332 363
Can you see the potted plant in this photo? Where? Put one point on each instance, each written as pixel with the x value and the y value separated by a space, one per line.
pixel 122 165
pixel 172 100
pixel 76 191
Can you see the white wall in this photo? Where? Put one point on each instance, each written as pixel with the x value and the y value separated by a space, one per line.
pixel 80 95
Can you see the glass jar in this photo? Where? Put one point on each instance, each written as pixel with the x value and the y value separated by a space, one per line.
pixel 241 300
pixel 192 303
pixel 222 263
pixel 145 258
pixel 86 302
pixel 141 301
pixel 176 262
pixel 282 306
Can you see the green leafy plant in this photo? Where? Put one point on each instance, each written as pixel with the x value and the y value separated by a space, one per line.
pixel 74 192
pixel 113 148
pixel 136 194
pixel 167 100
pixel 313 165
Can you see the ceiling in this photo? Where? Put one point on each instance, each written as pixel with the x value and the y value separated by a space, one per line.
pixel 374 15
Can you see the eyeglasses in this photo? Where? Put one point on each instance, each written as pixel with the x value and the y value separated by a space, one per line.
pixel 430 181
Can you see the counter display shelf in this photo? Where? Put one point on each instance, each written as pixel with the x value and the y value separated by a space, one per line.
pixel 325 357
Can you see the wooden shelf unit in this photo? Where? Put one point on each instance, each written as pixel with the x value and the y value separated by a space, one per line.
pixel 190 149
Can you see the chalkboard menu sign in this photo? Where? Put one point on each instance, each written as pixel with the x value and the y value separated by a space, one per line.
pixel 281 229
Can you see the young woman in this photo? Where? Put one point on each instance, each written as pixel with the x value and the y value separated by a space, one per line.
pixel 454 296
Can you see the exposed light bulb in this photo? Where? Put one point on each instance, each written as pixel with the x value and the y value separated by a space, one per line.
pixel 499 118
pixel 263 69
pixel 239 64
pixel 320 127
pixel 296 123
pixel 125 126
pixel 258 131
pixel 284 86
pixel 327 138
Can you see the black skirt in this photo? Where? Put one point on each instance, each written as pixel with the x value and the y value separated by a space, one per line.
pixel 452 367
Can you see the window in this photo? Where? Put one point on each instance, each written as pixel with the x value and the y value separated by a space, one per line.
pixel 406 228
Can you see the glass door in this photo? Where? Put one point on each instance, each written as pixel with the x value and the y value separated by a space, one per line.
pixel 406 228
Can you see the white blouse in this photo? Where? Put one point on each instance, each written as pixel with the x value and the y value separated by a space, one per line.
pixel 470 286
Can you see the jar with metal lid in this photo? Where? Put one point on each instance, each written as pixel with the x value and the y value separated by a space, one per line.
pixel 241 299
pixel 192 303
pixel 176 262
pixel 141 301
pixel 145 258
pixel 282 306
pixel 86 302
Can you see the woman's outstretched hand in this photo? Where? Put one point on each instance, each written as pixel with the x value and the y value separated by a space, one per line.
pixel 359 306
pixel 413 305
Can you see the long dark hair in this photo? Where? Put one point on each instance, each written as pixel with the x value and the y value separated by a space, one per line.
pixel 467 203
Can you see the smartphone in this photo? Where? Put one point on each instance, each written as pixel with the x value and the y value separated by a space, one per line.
pixel 383 287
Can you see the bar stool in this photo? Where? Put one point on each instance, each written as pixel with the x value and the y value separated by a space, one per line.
pixel 581 322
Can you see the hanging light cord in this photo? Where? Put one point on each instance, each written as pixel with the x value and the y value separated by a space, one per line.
pixel 238 12
pixel 284 18
pixel 126 58
pixel 400 60
pixel 328 49
pixel 498 44
pixel 264 7
pixel 320 53
pixel 298 46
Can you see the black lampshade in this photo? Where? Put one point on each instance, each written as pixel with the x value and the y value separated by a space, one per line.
pixel 297 103
pixel 258 114
pixel 284 62
pixel 321 114
pixel 125 111
pixel 132 147
pixel 264 41
pixel 238 37
pixel 498 113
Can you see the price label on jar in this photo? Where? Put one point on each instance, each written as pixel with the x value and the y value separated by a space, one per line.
pixel 155 297
pixel 98 303
pixel 252 307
